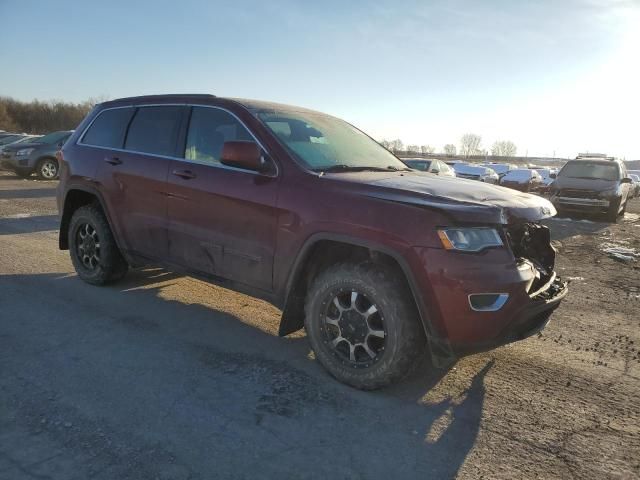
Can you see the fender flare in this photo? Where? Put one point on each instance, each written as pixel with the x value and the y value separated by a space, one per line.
pixel 290 322
pixel 63 242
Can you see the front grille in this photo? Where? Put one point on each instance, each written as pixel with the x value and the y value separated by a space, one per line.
pixel 575 193
pixel 532 242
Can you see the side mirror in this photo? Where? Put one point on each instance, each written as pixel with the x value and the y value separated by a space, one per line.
pixel 626 180
pixel 552 175
pixel 246 155
pixel 435 171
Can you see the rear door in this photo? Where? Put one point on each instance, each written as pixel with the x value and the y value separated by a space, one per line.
pixel 221 219
pixel 134 178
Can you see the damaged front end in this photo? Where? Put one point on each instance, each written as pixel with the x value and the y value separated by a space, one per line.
pixel 530 244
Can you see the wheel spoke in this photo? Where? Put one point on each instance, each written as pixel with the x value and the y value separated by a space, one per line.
pixel 354 297
pixel 370 352
pixel 336 302
pixel 332 321
pixel 377 333
pixel 337 340
pixel 371 310
pixel 352 352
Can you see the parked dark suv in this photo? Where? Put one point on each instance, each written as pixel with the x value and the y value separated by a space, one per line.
pixel 299 208
pixel 38 156
pixel 593 185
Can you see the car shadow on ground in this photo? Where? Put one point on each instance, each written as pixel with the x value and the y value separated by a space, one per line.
pixel 284 405
pixel 28 224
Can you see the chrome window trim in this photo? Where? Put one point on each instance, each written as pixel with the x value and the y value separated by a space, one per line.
pixel 182 159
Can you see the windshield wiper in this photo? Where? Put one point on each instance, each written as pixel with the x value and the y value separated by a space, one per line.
pixel 348 168
pixel 355 168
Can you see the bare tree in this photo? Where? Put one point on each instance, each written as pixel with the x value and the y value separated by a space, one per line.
pixel 413 149
pixel 397 145
pixel 386 144
pixel 504 148
pixel 450 149
pixel 427 149
pixel 6 122
pixel 470 144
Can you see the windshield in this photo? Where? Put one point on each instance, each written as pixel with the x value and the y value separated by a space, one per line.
pixel 591 170
pixel 52 137
pixel 322 142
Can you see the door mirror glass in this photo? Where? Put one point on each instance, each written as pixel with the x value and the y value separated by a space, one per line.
pixel 241 154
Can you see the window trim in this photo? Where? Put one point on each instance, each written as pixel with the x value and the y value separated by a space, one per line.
pixel 80 140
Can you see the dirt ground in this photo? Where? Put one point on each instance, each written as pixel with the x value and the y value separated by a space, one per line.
pixel 166 377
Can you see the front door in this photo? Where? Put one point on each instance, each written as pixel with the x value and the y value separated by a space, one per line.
pixel 221 219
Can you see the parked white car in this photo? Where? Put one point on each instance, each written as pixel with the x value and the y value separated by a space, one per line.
pixel 476 172
pixel 431 165
pixel 500 168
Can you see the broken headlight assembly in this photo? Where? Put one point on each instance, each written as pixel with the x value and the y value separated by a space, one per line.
pixel 469 239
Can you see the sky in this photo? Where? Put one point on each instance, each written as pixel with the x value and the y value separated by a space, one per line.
pixel 553 76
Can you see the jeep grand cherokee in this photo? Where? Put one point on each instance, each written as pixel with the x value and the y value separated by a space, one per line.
pixel 376 261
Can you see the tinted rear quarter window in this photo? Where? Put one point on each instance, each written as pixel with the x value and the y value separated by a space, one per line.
pixel 154 130
pixel 108 129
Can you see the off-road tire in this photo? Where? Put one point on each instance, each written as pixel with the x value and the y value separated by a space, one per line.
pixel 111 266
pixel 614 212
pixel 48 169
pixel 404 342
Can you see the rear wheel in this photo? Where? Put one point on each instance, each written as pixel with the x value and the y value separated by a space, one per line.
pixel 363 325
pixel 47 169
pixel 93 250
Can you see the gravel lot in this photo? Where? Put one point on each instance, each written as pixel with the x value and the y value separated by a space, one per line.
pixel 163 376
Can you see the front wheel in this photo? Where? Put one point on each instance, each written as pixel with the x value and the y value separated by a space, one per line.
pixel 363 325
pixel 47 169
pixel 614 210
pixel 93 250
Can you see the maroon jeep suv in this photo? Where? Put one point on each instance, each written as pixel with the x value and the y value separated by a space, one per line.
pixel 377 261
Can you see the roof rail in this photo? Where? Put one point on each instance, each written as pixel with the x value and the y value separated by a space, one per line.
pixel 161 97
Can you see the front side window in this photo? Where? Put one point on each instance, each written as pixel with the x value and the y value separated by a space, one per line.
pixel 154 130
pixel 109 128
pixel 322 142
pixel 209 128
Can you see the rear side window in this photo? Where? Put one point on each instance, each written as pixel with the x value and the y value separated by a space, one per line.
pixel 108 128
pixel 209 128
pixel 154 130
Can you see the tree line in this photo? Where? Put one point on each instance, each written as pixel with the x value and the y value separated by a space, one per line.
pixel 470 144
pixel 41 117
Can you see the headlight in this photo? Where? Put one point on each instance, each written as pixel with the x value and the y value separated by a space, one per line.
pixel 24 151
pixel 469 239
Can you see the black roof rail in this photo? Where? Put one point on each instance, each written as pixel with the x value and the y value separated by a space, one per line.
pixel 147 98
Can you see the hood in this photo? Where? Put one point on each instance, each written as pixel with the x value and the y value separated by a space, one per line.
pixel 465 201
pixel 20 146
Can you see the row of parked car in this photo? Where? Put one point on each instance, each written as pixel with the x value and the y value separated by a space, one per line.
pixel 593 183
pixel 28 154
pixel 524 179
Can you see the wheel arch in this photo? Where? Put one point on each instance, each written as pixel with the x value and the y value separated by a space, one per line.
pixel 76 197
pixel 323 249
